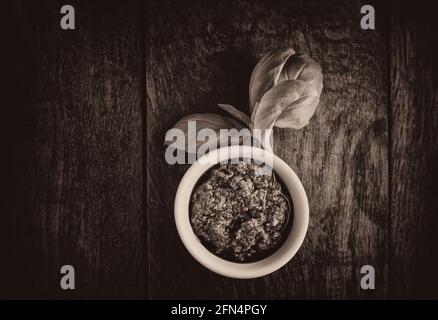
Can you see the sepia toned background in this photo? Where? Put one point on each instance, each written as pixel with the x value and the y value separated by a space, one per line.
pixel 86 183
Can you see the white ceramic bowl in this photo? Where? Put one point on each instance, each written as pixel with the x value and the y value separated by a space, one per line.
pixel 232 269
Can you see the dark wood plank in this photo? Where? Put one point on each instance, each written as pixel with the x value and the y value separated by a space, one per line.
pixel 201 53
pixel 76 184
pixel 414 149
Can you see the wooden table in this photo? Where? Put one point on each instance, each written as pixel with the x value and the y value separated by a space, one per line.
pixel 87 183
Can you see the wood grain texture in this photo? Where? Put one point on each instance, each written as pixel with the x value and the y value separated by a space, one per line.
pixel 202 53
pixel 77 159
pixel 414 148
pixel 78 170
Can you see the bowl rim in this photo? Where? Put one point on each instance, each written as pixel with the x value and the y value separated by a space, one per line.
pixel 233 269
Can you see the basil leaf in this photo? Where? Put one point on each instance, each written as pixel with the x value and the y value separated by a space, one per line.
pixel 294 98
pixel 275 99
pixel 188 141
pixel 266 73
pixel 236 113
